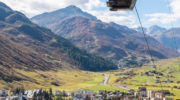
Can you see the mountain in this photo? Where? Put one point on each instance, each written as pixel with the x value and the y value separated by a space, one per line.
pixel 139 29
pixel 61 14
pixel 27 46
pixel 151 30
pixel 109 40
pixel 170 38
pixel 155 29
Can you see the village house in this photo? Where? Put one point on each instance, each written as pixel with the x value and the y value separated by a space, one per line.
pixel 82 94
pixel 4 93
pixel 178 82
pixel 129 98
pixel 159 95
pixel 167 98
pixel 30 93
pixel 132 92
pixel 157 81
pixel 2 98
pixel 58 93
pixel 167 81
pixel 178 87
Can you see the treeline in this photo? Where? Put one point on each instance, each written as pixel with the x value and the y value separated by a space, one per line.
pixel 48 95
pixel 86 61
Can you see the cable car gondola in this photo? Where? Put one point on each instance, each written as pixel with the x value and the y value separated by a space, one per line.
pixel 116 5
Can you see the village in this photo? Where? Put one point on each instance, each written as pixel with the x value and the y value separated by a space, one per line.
pixel 86 94
pixel 39 94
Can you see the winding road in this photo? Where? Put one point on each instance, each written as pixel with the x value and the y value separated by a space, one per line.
pixel 106 79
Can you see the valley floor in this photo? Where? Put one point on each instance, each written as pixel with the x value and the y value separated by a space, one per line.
pixel 124 80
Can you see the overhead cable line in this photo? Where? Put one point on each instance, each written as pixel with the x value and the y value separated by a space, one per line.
pixel 145 37
pixel 173 35
pixel 147 43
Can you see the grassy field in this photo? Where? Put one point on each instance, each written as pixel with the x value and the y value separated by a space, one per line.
pixel 64 80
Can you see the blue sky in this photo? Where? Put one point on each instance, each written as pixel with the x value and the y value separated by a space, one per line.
pixel 149 8
pixel 146 7
pixel 152 12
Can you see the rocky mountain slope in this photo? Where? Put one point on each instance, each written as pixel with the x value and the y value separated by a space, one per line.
pixel 26 46
pixel 168 37
pixel 155 29
pixel 118 43
pixel 152 30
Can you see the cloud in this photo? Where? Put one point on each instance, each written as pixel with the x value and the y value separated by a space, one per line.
pixel 122 18
pixel 175 7
pixel 34 7
pixel 166 18
pixel 94 4
pixel 96 7
pixel 101 11
pixel 163 18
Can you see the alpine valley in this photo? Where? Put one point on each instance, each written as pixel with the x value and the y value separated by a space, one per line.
pixel 75 55
pixel 25 46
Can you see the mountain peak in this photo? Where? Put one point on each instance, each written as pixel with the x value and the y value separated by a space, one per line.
pixel 155 29
pixel 61 14
pixel 3 5
pixel 72 7
pixel 155 26
pixel 10 16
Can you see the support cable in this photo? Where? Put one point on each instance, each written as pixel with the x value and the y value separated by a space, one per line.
pixel 147 43
pixel 173 32
pixel 173 36
pixel 145 37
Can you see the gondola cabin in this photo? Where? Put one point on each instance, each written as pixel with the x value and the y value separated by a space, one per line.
pixel 116 5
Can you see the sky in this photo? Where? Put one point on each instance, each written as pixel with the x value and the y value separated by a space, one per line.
pixel 165 13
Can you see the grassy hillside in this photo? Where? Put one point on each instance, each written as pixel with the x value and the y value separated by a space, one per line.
pixel 62 79
pixel 68 80
pixel 169 69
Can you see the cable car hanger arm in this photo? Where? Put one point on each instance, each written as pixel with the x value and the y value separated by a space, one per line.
pixel 116 5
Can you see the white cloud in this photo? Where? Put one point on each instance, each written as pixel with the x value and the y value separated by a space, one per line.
pixel 95 7
pixel 94 4
pixel 34 7
pixel 163 18
pixel 166 18
pixel 175 7
pixel 121 17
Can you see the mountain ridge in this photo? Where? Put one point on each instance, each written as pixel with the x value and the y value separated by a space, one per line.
pixel 151 30
pixel 109 40
pixel 72 10
pixel 155 29
pixel 168 37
